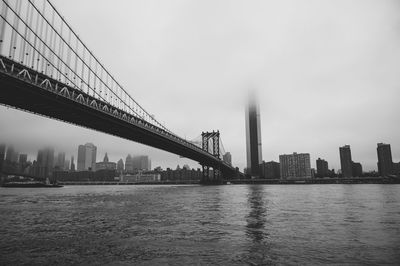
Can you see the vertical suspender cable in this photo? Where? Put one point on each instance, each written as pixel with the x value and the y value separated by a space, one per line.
pixel 14 35
pixel 35 47
pixel 45 62
pixel 67 72
pixel 30 25
pixel 83 69
pixel 75 78
pixel 52 44
pixel 60 52
pixel 24 44
pixel 40 44
pixel 4 9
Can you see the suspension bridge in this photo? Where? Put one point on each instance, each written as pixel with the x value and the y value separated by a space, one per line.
pixel 46 69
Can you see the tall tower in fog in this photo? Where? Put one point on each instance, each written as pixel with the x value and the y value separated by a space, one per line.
pixel 253 137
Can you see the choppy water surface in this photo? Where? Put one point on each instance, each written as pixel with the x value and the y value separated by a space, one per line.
pixel 180 225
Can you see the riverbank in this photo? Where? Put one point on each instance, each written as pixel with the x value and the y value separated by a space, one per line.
pixel 356 180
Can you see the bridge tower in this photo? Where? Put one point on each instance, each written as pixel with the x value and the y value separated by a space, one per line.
pixel 211 139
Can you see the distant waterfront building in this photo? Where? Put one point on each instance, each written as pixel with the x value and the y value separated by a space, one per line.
pixel 322 168
pixel 141 163
pixel 357 169
pixel 129 164
pixel 385 162
pixel 227 157
pixel 87 157
pixel 72 164
pixel 120 166
pixel 345 161
pixel 253 137
pixel 105 164
pixel 179 174
pixel 296 165
pixel 141 177
pixel 270 170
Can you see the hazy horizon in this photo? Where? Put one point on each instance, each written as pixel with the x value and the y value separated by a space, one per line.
pixel 327 74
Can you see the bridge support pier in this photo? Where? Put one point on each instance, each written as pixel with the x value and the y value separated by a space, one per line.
pixel 211 175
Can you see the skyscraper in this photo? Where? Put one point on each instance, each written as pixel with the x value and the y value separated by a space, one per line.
pixel 385 162
pixel 2 155
pixel 357 169
pixel 72 164
pixel 66 165
pixel 141 163
pixel 11 155
pixel 296 165
pixel 120 166
pixel 60 162
pixel 345 161
pixel 23 158
pixel 322 168
pixel 253 137
pixel 45 162
pixel 129 164
pixel 86 157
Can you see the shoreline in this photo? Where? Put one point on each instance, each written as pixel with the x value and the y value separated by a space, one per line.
pixel 314 181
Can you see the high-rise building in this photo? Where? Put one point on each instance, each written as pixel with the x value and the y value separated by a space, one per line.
pixel 2 155
pixel 345 161
pixel 66 165
pixel 87 157
pixel 129 164
pixel 253 138
pixel 141 163
pixel 227 157
pixel 23 158
pixel 11 155
pixel 357 169
pixel 322 168
pixel 45 162
pixel 385 162
pixel 270 170
pixel 396 168
pixel 60 161
pixel 296 165
pixel 120 166
pixel 72 164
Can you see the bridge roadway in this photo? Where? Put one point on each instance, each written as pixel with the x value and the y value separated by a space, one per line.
pixel 29 90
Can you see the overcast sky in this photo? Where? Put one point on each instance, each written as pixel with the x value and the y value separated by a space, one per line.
pixel 327 74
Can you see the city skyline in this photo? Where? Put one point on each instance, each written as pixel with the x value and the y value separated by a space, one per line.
pixel 316 94
pixel 318 166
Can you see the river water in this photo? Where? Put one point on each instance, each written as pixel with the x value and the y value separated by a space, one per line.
pixel 203 225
